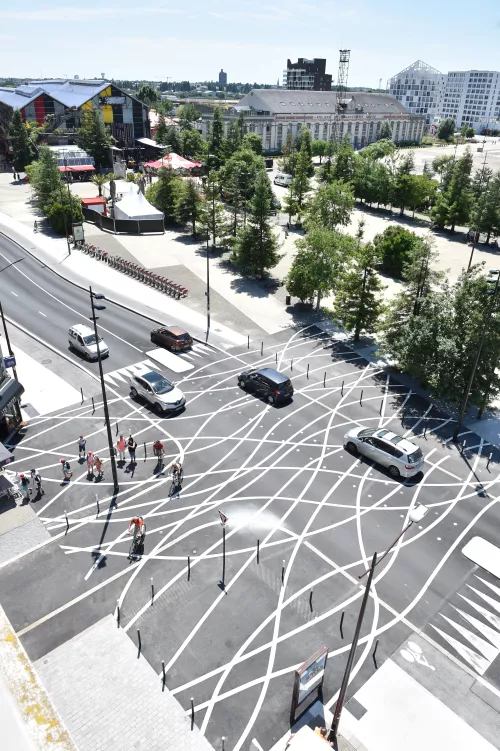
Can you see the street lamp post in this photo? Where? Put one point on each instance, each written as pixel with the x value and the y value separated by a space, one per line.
pixel 207 293
pixel 99 306
pixel 416 515
pixel 9 348
pixel 487 318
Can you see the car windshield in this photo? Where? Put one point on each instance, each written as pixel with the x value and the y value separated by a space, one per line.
pixel 158 383
pixel 181 337
pixel 91 339
pixel 366 433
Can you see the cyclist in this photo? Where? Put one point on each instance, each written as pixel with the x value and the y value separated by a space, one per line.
pixel 136 527
pixel 158 449
pixel 177 473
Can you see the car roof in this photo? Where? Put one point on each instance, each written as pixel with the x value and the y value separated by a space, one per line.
pixel 273 375
pixel 175 330
pixel 402 443
pixel 151 376
pixel 81 328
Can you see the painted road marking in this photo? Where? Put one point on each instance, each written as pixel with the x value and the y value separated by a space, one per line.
pixel 171 361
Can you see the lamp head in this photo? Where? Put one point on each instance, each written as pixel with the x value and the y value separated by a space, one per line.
pixel 417 513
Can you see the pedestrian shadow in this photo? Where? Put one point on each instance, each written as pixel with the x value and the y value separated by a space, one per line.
pixel 130 468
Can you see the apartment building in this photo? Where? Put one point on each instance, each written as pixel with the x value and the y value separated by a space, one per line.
pixel 420 89
pixel 307 74
pixel 472 97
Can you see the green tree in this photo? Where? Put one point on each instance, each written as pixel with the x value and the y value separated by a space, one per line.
pixel 94 138
pixel 287 162
pixel 256 246
pixel 289 204
pixel 331 206
pixel 172 138
pixel 446 129
pixel 233 139
pixel 164 107
pixel 189 206
pixel 303 142
pixel 419 273
pixel 381 148
pixel 45 177
pixel 454 205
pixel 188 115
pixel 161 131
pixel 61 210
pixel 193 145
pixel 486 213
pixel 242 167
pixel 148 94
pixel 412 191
pixel 344 165
pixel 357 305
pixel 385 132
pixel 163 194
pixel 394 246
pixel 214 218
pixel 301 184
pixel 443 166
pixel 22 147
pixel 100 180
pixel 252 141
pixel 217 147
pixel 320 148
pixel 317 264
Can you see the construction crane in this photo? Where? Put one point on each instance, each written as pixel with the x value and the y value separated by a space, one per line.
pixel 340 102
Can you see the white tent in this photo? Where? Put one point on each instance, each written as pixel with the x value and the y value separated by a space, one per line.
pixel 135 206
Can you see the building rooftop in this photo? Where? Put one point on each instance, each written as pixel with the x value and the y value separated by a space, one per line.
pixel 285 101
pixel 70 93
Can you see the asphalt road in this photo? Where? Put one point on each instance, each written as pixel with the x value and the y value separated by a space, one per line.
pixel 47 305
pixel 281 476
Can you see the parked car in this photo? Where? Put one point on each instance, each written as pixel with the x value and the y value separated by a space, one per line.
pixel 82 338
pixel 267 383
pixel 172 337
pixel 401 457
pixel 158 391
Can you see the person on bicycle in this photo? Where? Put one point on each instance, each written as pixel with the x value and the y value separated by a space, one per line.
pixel 176 471
pixel 158 449
pixel 136 527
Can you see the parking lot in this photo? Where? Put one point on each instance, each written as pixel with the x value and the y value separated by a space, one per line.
pixel 304 519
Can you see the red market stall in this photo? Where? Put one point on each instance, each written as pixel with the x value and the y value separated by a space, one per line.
pixel 172 161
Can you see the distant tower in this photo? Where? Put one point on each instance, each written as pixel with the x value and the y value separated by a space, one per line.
pixel 341 92
pixel 380 83
pixel 103 76
pixel 76 78
pixel 222 78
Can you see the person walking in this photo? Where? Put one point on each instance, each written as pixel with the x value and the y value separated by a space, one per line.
pixel 132 448
pixel 120 445
pixel 25 486
pixel 36 483
pixel 99 467
pixel 66 470
pixel 82 445
pixel 90 464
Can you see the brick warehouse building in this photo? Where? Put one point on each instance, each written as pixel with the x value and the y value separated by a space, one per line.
pixel 66 100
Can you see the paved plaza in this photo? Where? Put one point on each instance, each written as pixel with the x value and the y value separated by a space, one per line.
pixel 231 636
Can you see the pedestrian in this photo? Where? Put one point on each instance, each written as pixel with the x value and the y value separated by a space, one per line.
pixel 132 447
pixel 90 463
pixel 36 483
pixel 66 470
pixel 82 445
pixel 286 234
pixel 120 445
pixel 98 465
pixel 25 486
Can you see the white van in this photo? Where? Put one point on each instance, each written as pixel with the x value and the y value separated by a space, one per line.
pixel 283 179
pixel 82 338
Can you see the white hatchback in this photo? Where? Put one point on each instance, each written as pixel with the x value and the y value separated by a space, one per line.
pixel 401 457
pixel 158 391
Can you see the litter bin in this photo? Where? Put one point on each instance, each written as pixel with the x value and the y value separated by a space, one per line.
pixel 288 300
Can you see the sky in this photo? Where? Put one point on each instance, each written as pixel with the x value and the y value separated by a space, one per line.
pixel 194 39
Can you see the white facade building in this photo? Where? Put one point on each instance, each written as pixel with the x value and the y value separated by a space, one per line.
pixel 472 97
pixel 420 89
pixel 273 113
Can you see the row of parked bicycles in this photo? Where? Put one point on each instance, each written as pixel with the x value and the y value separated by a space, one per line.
pixel 161 283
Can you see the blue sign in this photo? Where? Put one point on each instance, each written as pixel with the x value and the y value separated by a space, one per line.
pixel 9 362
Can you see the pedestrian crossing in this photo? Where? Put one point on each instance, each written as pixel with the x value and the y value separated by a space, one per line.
pixel 471 623
pixel 178 363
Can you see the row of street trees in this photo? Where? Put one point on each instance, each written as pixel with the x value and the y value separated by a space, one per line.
pixel 52 195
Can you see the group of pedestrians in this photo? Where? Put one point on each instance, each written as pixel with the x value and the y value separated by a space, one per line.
pixel 31 484
pixel 94 462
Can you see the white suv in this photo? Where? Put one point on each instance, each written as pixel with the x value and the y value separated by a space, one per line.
pixel 158 391
pixel 401 457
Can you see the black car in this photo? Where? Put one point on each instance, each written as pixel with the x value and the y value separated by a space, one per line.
pixel 267 383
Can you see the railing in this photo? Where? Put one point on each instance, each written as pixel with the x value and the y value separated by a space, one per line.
pixel 156 281
pixel 130 226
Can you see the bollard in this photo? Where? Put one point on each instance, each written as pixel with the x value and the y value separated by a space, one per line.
pixel 324 381
pixel 381 405
pixel 152 591
pixel 276 357
pixel 463 446
pixel 283 573
pixel 261 348
pixel 97 504
pixel 67 520
pixel 145 452
pixel 489 460
pixel 361 398
pixel 163 672
pixel 311 600
pixel 248 341
pixel 116 428
pixel 223 739
pixel 223 556
pixel 342 625
pixel 192 713
pixel 189 568
pixel 118 613
pixel 93 405
pixel 402 416
pixel 291 364
pixel 425 429
pixel 258 551
pixel 139 640
pixel 308 370
pixel 342 389
pixel 82 393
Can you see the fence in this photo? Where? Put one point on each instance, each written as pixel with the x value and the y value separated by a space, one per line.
pixel 129 226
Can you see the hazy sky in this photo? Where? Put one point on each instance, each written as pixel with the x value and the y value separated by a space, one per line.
pixel 193 39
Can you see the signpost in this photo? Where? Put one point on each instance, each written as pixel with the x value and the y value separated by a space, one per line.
pixel 78 234
pixel 9 362
pixel 308 683
pixel 223 518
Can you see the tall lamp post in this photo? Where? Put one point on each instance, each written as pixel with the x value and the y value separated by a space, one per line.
pixel 463 407
pixel 99 306
pixel 9 348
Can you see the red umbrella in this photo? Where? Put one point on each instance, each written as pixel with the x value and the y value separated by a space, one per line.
pixel 174 161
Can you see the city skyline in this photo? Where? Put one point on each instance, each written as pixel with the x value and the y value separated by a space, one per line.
pixel 251 41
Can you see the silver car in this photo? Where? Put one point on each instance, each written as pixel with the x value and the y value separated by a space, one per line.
pixel 401 457
pixel 158 391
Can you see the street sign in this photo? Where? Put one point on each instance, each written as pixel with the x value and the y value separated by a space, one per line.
pixel 9 362
pixel 308 683
pixel 78 232
pixel 223 518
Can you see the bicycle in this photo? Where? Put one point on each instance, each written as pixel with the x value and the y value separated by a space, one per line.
pixel 137 542
pixel 177 477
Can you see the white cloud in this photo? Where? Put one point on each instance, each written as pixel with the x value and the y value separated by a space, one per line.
pixel 81 14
